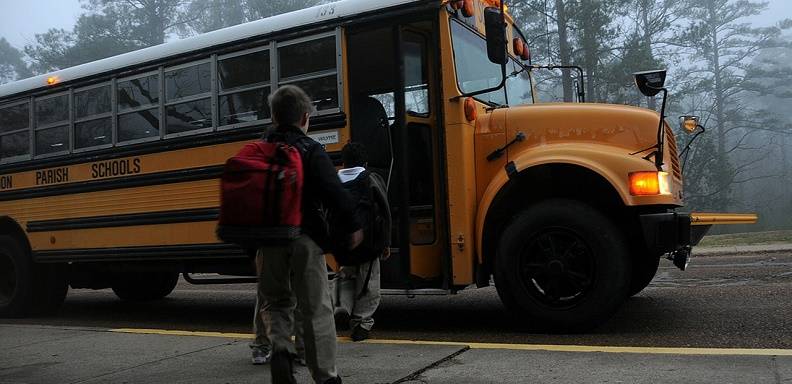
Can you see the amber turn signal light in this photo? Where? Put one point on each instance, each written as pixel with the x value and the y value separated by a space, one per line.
pixel 470 109
pixel 649 183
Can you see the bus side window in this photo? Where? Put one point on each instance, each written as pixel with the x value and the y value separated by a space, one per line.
pixel 244 83
pixel 93 117
pixel 14 130
pixel 312 66
pixel 52 124
pixel 138 108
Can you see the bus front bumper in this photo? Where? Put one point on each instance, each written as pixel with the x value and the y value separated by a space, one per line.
pixel 676 233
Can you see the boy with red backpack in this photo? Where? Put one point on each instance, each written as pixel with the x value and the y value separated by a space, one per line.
pixel 285 221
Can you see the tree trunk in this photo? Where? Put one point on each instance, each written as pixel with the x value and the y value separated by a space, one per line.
pixel 563 48
pixel 723 177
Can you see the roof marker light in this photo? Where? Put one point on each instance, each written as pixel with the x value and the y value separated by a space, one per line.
pixel 52 80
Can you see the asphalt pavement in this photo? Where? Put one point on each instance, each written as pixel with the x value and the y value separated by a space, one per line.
pixel 728 319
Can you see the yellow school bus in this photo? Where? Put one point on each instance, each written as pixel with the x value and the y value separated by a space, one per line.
pixel 109 170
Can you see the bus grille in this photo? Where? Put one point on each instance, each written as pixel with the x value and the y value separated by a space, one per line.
pixel 674 156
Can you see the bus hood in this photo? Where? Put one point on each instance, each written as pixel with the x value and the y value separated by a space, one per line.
pixel 631 128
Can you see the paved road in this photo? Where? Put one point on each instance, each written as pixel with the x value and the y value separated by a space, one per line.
pixel 687 327
pixel 721 301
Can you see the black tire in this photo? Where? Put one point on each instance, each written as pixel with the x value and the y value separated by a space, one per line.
pixel 27 288
pixel 643 271
pixel 562 266
pixel 145 286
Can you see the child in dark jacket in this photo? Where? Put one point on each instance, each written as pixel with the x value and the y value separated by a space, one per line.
pixel 358 286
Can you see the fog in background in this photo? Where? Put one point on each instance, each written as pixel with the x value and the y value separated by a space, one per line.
pixel 729 61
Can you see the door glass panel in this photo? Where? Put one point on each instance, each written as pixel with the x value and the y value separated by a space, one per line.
pixel 420 168
pixel 416 92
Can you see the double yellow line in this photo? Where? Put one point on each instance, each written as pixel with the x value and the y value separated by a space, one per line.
pixel 504 346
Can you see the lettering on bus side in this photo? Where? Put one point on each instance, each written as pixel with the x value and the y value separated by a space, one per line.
pixel 52 176
pixel 112 168
pixel 6 182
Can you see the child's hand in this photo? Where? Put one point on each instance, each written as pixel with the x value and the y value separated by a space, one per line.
pixel 385 254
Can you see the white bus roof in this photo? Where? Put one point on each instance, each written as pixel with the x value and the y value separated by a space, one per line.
pixel 304 17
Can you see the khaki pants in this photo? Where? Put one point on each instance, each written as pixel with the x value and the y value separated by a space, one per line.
pixel 299 270
pixel 349 285
pixel 261 341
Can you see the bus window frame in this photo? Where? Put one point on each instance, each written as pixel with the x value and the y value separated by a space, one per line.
pixel 275 76
pixel 160 106
pixel 269 46
pixel 29 129
pixel 210 95
pixel 104 115
pixel 69 123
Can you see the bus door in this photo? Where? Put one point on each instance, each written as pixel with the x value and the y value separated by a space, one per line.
pixel 393 113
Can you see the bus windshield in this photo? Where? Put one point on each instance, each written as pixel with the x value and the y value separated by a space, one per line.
pixel 475 71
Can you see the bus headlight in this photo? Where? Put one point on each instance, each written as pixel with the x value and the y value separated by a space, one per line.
pixel 649 183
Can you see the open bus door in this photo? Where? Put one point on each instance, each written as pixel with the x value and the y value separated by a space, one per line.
pixel 394 114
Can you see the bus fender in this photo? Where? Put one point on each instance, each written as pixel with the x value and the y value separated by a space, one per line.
pixel 586 157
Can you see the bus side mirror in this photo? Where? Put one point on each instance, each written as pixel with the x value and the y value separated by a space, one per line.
pixel 496 35
pixel 650 83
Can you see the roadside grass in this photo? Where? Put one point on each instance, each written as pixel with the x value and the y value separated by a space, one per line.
pixel 750 238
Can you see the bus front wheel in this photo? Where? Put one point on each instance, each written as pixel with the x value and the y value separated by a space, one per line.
pixel 27 288
pixel 145 286
pixel 563 266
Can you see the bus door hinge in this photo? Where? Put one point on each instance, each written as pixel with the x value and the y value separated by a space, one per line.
pixel 460 242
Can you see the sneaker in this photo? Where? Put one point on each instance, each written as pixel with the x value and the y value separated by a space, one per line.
pixel 260 356
pixel 282 368
pixel 341 319
pixel 360 334
pixel 333 380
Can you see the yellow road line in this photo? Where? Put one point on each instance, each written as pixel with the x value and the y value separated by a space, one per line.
pixel 506 346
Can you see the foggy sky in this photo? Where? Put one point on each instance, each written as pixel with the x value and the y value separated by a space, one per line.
pixel 20 20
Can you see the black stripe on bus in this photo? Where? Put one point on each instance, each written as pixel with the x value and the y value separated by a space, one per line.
pixel 148 218
pixel 159 253
pixel 169 177
pixel 319 123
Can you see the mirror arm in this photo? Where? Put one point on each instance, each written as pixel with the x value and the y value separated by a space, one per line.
pixel 660 135
pixel 686 152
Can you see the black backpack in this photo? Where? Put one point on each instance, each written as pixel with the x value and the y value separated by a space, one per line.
pixel 371 207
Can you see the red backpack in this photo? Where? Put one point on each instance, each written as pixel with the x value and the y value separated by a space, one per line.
pixel 261 195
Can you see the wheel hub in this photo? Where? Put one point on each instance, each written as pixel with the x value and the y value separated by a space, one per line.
pixel 557 267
